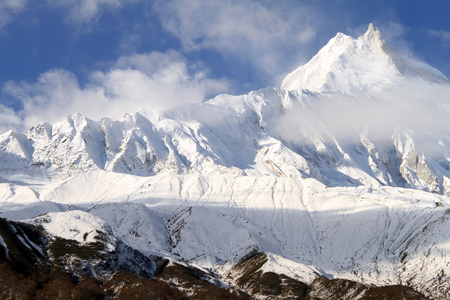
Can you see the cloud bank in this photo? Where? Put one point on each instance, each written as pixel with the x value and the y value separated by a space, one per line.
pixel 155 80
pixel 416 107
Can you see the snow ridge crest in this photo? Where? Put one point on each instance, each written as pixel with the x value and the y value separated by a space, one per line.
pixel 367 63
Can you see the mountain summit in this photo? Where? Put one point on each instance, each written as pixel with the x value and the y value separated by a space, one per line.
pixel 367 63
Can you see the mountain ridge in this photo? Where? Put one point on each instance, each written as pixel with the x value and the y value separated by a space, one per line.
pixel 200 145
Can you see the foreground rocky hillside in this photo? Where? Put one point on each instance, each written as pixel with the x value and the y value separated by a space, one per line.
pixel 36 265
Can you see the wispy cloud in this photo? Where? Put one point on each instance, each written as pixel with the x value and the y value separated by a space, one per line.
pixel 394 33
pixel 414 106
pixel 441 34
pixel 265 34
pixel 10 8
pixel 84 12
pixel 8 119
pixel 155 80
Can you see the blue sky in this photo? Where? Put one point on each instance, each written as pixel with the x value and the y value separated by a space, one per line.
pixel 109 57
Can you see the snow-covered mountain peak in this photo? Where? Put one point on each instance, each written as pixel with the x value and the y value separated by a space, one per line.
pixel 374 35
pixel 349 180
pixel 366 64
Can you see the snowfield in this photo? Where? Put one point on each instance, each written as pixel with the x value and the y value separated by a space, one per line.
pixel 381 236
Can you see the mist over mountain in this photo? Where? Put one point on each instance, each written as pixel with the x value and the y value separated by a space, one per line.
pixel 343 173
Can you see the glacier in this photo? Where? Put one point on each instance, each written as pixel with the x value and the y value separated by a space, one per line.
pixel 342 173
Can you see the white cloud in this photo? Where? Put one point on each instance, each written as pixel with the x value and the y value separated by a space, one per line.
pixel 52 96
pixel 155 81
pixel 8 119
pixel 441 34
pixel 416 106
pixel 83 12
pixel 150 63
pixel 9 8
pixel 80 12
pixel 262 33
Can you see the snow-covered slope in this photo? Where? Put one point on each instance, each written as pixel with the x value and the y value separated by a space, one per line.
pixel 379 236
pixel 348 65
pixel 342 173
pixel 269 132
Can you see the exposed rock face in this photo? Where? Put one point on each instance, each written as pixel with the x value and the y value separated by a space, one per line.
pixel 345 289
pixel 249 275
pixel 35 265
pixel 28 248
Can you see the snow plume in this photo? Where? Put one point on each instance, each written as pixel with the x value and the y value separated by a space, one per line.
pixel 419 108
pixel 394 33
pixel 261 33
pixel 8 8
pixel 155 81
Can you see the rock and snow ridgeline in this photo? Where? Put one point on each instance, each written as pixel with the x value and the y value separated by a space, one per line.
pixel 348 65
pixel 331 176
pixel 258 135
